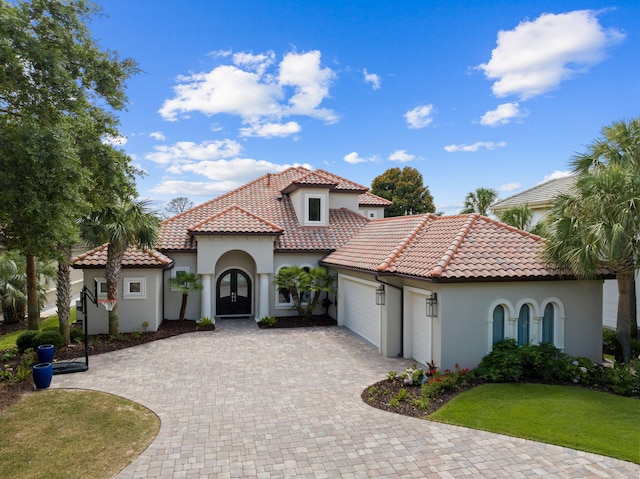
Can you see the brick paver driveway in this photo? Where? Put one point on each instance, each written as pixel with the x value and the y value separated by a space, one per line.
pixel 244 402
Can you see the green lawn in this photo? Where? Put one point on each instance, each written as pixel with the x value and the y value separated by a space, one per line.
pixel 8 341
pixel 563 415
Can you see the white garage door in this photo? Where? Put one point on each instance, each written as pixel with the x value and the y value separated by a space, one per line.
pixel 358 306
pixel 420 326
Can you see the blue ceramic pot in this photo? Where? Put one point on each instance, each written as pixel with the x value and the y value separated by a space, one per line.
pixel 42 374
pixel 45 353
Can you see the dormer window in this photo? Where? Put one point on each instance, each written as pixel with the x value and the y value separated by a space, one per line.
pixel 313 210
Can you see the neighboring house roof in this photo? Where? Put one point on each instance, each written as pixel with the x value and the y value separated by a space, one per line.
pixel 444 248
pixel 271 211
pixel 539 196
pixel 133 258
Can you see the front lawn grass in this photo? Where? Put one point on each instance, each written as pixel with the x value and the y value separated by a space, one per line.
pixel 73 434
pixel 563 415
pixel 8 341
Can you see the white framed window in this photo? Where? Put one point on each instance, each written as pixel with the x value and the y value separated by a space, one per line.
pixel 314 206
pixel 102 288
pixel 497 330
pixel 176 271
pixel 135 288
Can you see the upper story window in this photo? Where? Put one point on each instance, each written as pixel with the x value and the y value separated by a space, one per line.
pixel 314 209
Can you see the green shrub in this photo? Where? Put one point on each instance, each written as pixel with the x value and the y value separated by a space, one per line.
pixel 609 341
pixel 25 340
pixel 76 335
pixel 268 321
pixel 205 321
pixel 48 337
pixel 27 360
pixel 503 364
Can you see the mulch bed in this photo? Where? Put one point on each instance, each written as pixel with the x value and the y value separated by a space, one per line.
pixel 300 322
pixel 379 394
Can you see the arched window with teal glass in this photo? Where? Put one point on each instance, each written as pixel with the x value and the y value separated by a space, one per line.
pixel 523 325
pixel 548 323
pixel 498 324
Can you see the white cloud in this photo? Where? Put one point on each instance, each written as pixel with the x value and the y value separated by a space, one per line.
pixel 270 130
pixel 249 90
pixel 353 158
pixel 536 56
pixel 193 188
pixel 555 175
pixel 420 116
pixel 503 114
pixel 157 135
pixel 311 84
pixel 489 145
pixel 185 151
pixel 222 176
pixel 401 156
pixel 114 140
pixel 372 78
pixel 258 63
pixel 509 187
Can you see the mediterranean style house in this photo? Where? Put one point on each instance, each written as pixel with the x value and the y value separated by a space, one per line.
pixel 442 289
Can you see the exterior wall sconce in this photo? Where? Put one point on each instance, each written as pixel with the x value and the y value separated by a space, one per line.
pixel 380 295
pixel 432 305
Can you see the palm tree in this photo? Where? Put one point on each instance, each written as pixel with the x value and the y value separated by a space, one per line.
pixel 13 285
pixel 519 217
pixel 187 283
pixel 598 225
pixel 479 201
pixel 300 282
pixel 125 224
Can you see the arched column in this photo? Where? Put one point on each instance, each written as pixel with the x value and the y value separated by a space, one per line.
pixel 205 301
pixel 263 300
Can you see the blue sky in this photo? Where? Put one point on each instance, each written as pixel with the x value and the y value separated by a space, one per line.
pixel 496 94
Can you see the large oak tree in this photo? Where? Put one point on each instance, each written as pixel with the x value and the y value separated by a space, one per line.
pixel 57 91
pixel 405 188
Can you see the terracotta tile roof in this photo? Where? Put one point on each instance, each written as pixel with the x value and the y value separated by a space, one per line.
pixel 133 258
pixel 540 195
pixel 464 247
pixel 369 199
pixel 263 199
pixel 235 220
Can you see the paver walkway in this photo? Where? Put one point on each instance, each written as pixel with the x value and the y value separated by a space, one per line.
pixel 244 402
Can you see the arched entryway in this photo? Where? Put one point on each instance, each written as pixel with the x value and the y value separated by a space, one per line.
pixel 233 294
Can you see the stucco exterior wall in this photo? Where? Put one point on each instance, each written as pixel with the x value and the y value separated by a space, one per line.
pixel 132 312
pixel 173 298
pixel 465 310
pixel 343 200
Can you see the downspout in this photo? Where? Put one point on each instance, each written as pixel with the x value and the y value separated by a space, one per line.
pixel 401 354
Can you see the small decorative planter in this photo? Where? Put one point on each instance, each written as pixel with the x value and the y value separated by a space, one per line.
pixel 45 353
pixel 42 374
